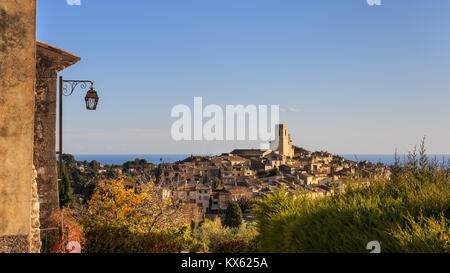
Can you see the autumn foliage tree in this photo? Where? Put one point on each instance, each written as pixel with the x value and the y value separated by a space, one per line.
pixel 123 217
pixel 139 207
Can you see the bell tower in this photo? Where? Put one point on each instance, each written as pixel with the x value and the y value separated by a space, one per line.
pixel 285 144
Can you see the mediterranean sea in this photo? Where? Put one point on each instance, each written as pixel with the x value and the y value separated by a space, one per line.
pixel 167 158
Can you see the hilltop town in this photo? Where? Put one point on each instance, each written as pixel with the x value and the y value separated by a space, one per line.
pixel 211 182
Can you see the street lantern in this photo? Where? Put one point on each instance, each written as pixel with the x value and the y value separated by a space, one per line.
pixel 91 99
pixel 66 88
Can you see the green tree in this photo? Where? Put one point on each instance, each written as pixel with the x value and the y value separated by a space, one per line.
pixel 245 204
pixel 274 172
pixel 69 160
pixel 65 189
pixel 233 215
pixel 94 166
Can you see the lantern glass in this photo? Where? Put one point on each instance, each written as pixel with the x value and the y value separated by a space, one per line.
pixel 91 99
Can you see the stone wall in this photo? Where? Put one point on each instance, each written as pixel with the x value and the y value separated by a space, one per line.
pixel 49 61
pixel 45 137
pixel 17 82
pixel 35 233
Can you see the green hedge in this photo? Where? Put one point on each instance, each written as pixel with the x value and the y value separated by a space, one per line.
pixel 408 213
pixel 231 246
pixel 120 239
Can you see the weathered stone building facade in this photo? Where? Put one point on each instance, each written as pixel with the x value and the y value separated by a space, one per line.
pixel 49 61
pixel 17 82
pixel 28 94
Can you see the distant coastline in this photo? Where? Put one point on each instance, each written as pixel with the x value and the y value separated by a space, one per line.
pixel 386 159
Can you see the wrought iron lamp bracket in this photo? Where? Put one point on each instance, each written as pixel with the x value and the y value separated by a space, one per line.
pixel 69 86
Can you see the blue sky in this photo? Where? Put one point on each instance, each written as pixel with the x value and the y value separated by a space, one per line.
pixel 363 79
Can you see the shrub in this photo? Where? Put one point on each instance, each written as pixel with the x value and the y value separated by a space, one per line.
pixel 233 215
pixel 252 244
pixel 55 238
pixel 121 219
pixel 114 203
pixel 425 235
pixel 212 233
pixel 230 246
pixel 121 239
pixel 50 240
pixel 408 213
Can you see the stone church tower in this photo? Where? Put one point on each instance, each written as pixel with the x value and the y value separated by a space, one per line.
pixel 285 144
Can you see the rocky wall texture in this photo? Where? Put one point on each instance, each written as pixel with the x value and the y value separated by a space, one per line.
pixel 49 61
pixel 35 234
pixel 14 244
pixel 45 137
pixel 17 82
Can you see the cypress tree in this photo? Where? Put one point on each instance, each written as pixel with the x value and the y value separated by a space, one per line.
pixel 65 189
pixel 233 215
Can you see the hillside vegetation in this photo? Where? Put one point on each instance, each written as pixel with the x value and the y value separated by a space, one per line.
pixel 407 213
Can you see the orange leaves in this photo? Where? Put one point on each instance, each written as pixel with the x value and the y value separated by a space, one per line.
pixel 114 202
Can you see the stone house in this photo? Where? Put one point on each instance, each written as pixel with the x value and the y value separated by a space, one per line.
pixel 228 178
pixel 185 194
pixel 238 193
pixel 28 84
pixel 213 173
pixel 203 194
pixel 306 178
pixel 219 201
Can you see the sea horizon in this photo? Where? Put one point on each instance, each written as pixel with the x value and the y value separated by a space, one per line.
pixel 119 159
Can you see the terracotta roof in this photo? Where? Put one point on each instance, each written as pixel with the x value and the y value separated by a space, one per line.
pixel 57 55
pixel 57 50
pixel 237 158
